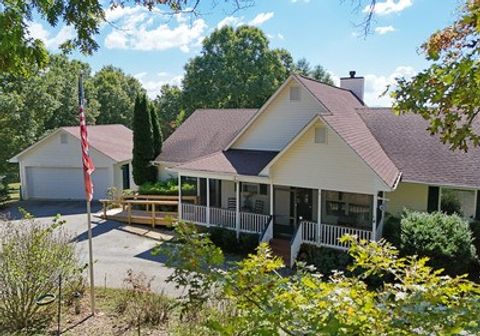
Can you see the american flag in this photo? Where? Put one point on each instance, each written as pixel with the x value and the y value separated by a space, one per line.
pixel 88 167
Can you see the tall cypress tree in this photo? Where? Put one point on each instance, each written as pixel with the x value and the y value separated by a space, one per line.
pixel 156 131
pixel 143 152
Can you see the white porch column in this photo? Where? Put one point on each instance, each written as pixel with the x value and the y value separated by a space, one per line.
pixel 319 217
pixel 179 196
pixel 237 208
pixel 271 199
pixel 374 217
pixel 208 201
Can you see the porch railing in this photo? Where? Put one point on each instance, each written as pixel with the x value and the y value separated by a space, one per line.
pixel 267 233
pixel 194 213
pixel 249 222
pixel 223 217
pixel 252 222
pixel 296 244
pixel 329 234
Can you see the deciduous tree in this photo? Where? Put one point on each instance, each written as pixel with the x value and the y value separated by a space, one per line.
pixel 236 68
pixel 116 94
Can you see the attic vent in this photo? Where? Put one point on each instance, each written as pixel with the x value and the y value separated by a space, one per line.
pixel 294 93
pixel 63 138
pixel 320 135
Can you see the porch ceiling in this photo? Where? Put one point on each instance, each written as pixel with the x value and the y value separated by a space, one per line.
pixel 231 162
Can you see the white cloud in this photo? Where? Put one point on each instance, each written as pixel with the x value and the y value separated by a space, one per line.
pixel 138 29
pixel 236 21
pixel 154 85
pixel 384 30
pixel 37 31
pixel 230 21
pixel 295 1
pixel 375 85
pixel 261 19
pixel 389 6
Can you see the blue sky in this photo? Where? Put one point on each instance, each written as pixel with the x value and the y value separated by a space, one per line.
pixel 154 47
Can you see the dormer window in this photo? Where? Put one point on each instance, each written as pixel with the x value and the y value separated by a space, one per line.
pixel 295 93
pixel 63 138
pixel 320 135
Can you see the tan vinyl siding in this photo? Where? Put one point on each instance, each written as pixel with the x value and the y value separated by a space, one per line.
pixel 412 196
pixel 279 122
pixel 330 166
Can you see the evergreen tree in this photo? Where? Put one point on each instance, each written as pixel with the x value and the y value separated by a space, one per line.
pixel 143 152
pixel 156 131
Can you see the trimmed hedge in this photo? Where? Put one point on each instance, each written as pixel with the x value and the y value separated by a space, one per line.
pixel 227 240
pixel 168 187
pixel 445 239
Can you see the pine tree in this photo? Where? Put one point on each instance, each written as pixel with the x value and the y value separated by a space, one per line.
pixel 156 131
pixel 143 152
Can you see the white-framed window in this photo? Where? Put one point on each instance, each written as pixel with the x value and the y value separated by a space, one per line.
pixel 320 135
pixel 294 93
pixel 63 138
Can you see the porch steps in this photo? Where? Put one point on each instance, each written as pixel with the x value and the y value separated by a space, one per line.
pixel 281 248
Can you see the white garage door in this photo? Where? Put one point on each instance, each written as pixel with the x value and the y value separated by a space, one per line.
pixel 64 183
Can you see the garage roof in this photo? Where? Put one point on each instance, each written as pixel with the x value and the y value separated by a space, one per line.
pixel 114 141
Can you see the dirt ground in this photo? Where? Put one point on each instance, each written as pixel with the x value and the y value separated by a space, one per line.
pixel 105 322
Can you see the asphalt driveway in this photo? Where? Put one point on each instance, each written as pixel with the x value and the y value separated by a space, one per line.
pixel 115 250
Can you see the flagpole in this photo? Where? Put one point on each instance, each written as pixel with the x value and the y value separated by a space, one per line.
pixel 90 257
pixel 88 168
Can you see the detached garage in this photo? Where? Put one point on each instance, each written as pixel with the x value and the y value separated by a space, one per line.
pixel 52 167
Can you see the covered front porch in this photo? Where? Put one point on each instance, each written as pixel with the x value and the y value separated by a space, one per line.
pixel 299 215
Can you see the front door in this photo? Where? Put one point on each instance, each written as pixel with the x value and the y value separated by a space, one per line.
pixel 301 205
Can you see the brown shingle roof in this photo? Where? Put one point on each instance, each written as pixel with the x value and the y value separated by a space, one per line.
pixel 346 122
pixel 203 133
pixel 420 156
pixel 233 161
pixel 115 141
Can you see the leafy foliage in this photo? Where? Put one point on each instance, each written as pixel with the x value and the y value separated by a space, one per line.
pixel 20 54
pixel 450 204
pixel 3 192
pixel 236 68
pixel 143 150
pixel 266 303
pixel 169 106
pixel 194 257
pixel 445 239
pixel 156 130
pixel 446 93
pixel 115 93
pixel 166 187
pixel 32 257
pixel 303 67
pixel 326 260
pixel 228 242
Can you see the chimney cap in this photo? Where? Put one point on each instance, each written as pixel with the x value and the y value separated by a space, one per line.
pixel 352 73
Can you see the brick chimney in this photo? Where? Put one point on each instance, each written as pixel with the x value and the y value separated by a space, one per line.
pixel 354 84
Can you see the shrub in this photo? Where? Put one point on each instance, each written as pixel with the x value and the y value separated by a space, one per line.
pixel 445 239
pixel 139 305
pixel 325 260
pixel 391 230
pixel 228 242
pixel 168 187
pixel 450 204
pixel 3 192
pixel 32 257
